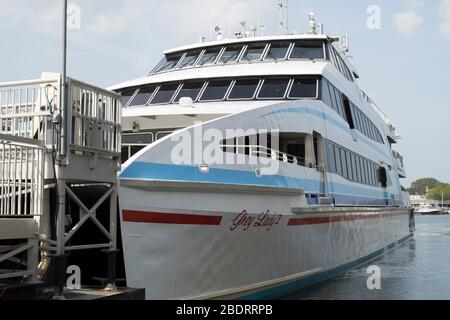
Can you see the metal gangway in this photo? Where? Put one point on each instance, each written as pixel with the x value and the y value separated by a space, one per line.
pixel 51 145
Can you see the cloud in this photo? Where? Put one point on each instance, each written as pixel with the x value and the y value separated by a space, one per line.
pixel 407 23
pixel 444 11
pixel 414 4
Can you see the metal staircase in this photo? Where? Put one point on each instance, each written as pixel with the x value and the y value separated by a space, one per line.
pixel 48 145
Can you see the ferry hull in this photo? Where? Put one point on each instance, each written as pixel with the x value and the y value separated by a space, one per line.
pixel 246 245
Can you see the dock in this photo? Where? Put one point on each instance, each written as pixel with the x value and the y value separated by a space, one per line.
pixel 59 158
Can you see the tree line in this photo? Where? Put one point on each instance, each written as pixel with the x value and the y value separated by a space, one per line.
pixel 430 187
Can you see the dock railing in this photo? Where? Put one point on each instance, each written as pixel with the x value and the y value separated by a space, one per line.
pixel 31 109
pixel 21 176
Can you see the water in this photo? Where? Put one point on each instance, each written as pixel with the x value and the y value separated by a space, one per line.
pixel 419 269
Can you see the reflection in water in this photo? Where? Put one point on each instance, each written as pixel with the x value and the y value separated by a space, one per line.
pixel 419 269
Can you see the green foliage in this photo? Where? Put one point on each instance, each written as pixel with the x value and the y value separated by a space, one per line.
pixel 436 192
pixel 420 186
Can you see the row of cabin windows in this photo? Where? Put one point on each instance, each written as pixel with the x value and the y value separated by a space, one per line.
pixel 339 63
pixel 353 167
pixel 363 124
pixel 223 89
pixel 234 53
pixel 335 99
pixel 132 143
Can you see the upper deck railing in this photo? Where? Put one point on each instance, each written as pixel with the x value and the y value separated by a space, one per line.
pixel 383 116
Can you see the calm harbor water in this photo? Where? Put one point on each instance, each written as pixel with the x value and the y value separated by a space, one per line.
pixel 419 269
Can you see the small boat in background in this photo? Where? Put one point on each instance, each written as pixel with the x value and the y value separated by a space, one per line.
pixel 430 209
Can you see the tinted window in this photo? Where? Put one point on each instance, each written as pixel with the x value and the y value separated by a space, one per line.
pixel 366 172
pixel 124 154
pixel 333 97
pixel 303 88
pixel 254 52
pixel 326 94
pixel 216 90
pixel 330 158
pixel 349 165
pixel 165 93
pixel 126 95
pixel 354 167
pixel 189 90
pixel 344 164
pixel 137 138
pixel 135 149
pixel 189 60
pixel 337 156
pixel 244 89
pixel 307 50
pixel 209 57
pixel 168 63
pixel 273 88
pixel 143 96
pixel 358 169
pixel 278 51
pixel 339 103
pixel 231 54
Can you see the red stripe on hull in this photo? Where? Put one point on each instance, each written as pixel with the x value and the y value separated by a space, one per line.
pixel 340 218
pixel 170 218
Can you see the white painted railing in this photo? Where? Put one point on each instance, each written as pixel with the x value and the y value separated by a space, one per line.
pixel 378 110
pixel 96 118
pixel 31 109
pixel 21 176
pixel 260 151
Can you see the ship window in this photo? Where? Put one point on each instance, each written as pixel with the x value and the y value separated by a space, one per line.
pixel 354 167
pixel 231 54
pixel 303 88
pixel 216 90
pixel 337 156
pixel 372 173
pixel 126 95
pixel 330 158
pixel 339 106
pixel 349 165
pixel 125 154
pixel 189 59
pixel 344 164
pixel 358 169
pixel 244 89
pixel 137 138
pixel 162 134
pixel 136 149
pixel 333 97
pixel 326 93
pixel 209 56
pixel 168 63
pixel 273 89
pixel 189 90
pixel 143 95
pixel 307 50
pixel 366 171
pixel 277 51
pixel 164 94
pixel 254 52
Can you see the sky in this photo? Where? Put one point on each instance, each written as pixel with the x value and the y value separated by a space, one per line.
pixel 401 49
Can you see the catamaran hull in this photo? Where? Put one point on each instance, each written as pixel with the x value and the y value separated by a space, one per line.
pixel 243 244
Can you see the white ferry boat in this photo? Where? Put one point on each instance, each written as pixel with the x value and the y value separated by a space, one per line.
pixel 255 166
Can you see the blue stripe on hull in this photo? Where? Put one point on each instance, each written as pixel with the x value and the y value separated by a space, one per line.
pixel 355 195
pixel 287 288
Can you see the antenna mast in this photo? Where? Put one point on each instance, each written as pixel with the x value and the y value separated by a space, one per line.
pixel 283 25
